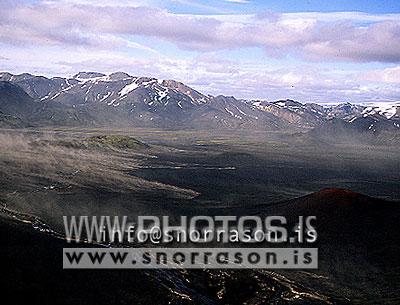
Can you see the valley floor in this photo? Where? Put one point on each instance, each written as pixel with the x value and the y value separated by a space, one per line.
pixel 49 173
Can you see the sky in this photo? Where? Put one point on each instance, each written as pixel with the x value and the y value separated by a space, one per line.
pixel 310 51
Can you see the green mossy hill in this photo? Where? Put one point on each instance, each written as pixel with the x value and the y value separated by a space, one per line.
pixel 104 141
pixel 116 141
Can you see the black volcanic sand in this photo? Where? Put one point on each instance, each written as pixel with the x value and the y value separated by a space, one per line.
pixel 51 173
pixel 32 273
pixel 358 264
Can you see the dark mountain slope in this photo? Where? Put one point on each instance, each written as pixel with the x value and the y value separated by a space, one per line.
pixel 344 216
pixel 37 86
pixel 18 109
pixel 294 113
pixel 358 243
pixel 366 130
pixel 32 273
pixel 14 101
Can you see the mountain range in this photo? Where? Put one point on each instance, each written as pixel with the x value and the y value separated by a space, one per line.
pixel 119 99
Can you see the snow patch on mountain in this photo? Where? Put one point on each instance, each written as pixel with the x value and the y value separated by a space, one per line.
pixel 387 109
pixel 128 88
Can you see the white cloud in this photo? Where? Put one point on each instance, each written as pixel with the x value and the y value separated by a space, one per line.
pixel 238 1
pixel 305 35
pixel 211 74
pixel 103 3
pixel 64 37
pixel 388 75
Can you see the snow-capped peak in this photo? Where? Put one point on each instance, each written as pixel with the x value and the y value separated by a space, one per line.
pixel 387 109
